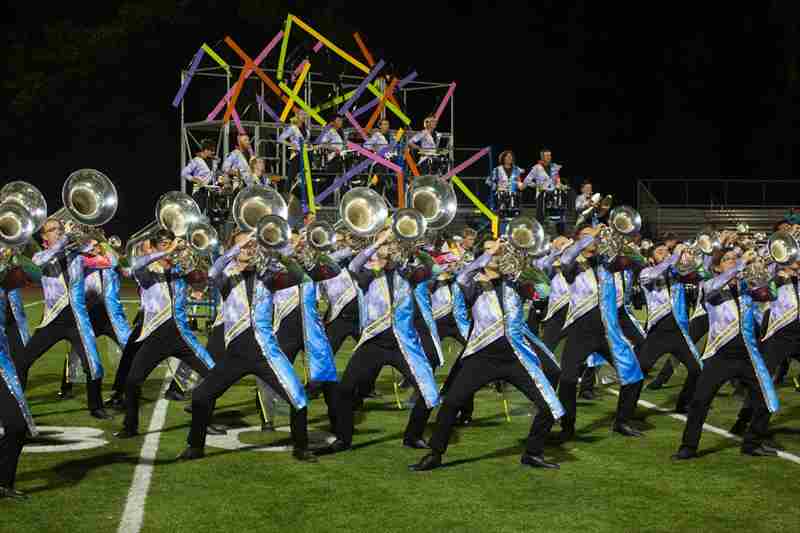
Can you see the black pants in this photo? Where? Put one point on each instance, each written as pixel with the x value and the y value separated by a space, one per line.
pixel 164 342
pixel 11 442
pixel 664 338
pixel 698 327
pixel 126 361
pixel 243 357
pixel 63 327
pixel 476 371
pixel 553 329
pixel 716 371
pixel 290 339
pixel 582 342
pixel 447 327
pixel 630 331
pixel 15 345
pixel 344 325
pixel 362 370
pixel 777 350
pixel 101 325
pixel 428 345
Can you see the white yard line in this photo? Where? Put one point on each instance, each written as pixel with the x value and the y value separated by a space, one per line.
pixel 133 515
pixel 708 427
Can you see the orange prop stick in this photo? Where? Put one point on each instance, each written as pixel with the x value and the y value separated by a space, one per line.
pixel 364 50
pixel 411 164
pixel 246 74
pixel 375 114
pixel 260 73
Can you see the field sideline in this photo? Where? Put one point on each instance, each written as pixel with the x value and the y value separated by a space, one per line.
pixel 606 482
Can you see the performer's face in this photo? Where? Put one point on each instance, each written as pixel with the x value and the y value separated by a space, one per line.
pixel 660 254
pixel 51 232
pixel 384 126
pixel 547 157
pixel 728 261
pixel 587 189
pixel 244 141
pixel 163 244
pixel 508 160
pixel 248 248
pixel 95 250
pixel 432 124
pixel 384 252
pixel 338 122
pixel 468 242
pixel 784 226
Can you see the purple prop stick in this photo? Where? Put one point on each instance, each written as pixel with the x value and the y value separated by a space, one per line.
pixel 248 70
pixel 371 155
pixel 465 164
pixel 182 91
pixel 445 100
pixel 356 125
pixel 405 81
pixel 361 86
pixel 324 131
pixel 263 105
pixel 344 178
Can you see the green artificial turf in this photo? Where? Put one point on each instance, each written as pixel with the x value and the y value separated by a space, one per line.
pixel 606 482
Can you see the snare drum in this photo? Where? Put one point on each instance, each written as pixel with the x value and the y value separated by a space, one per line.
pixel 557 199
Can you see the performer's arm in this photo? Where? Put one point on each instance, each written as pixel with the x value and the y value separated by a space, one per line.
pixel 719 281
pixel 358 262
pixel 341 254
pixel 47 255
pixel 649 274
pixel 572 252
pixel 141 262
pixel 217 270
pixel 545 263
pixel 412 142
pixel 464 277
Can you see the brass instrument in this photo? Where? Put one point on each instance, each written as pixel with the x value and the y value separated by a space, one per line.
pixel 321 235
pixel 195 251
pixel 273 232
pixel 408 228
pixel 255 202
pixel 524 237
pixel 175 211
pixel 705 244
pixel 784 247
pixel 435 199
pixel 623 222
pixel 363 211
pixel 598 204
pixel 90 200
pixel 23 211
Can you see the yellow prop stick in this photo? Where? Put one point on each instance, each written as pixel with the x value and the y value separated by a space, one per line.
pixel 216 58
pixel 284 46
pixel 474 199
pixel 304 106
pixel 393 108
pixel 335 49
pixel 299 83
pixel 309 187
pixel 336 101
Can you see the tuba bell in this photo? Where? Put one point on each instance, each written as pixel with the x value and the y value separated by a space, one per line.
pixel 783 247
pixel 435 199
pixel 23 210
pixel 176 211
pixel 363 211
pixel 525 234
pixel 409 224
pixel 625 220
pixel 273 232
pixel 254 203
pixel 89 198
pixel 202 237
pixel 321 235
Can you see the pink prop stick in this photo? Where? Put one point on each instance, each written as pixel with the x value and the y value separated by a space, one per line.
pixel 445 100
pixel 247 71
pixel 317 46
pixel 465 164
pixel 356 125
pixel 375 157
pixel 238 123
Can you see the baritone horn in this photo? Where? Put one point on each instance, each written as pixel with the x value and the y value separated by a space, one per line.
pixel 625 220
pixel 23 211
pixel 321 235
pixel 176 211
pixel 435 199
pixel 202 237
pixel 273 232
pixel 363 211
pixel 525 234
pixel 783 247
pixel 409 224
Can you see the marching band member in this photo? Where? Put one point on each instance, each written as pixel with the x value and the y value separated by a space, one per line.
pixel 66 316
pixel 15 412
pixel 731 352
pixel 388 337
pixel 496 350
pixel 668 320
pixel 592 325
pixel 504 183
pixel 199 173
pixel 294 137
pixel 165 332
pixel 237 162
pixel 378 137
pixel 545 177
pixel 16 320
pixel 250 343
pixel 425 141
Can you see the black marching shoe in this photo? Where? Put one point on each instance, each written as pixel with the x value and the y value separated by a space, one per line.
pixel 626 430
pixel 684 453
pixel 335 447
pixel 654 385
pixel 760 451
pixel 429 462
pixel 214 429
pixel 417 444
pixel 126 433
pixel 304 455
pixel 267 426
pixel 115 401
pixel 174 395
pixel 464 420
pixel 537 461
pixel 770 444
pixel 101 414
pixel 7 492
pixel 565 435
pixel 682 409
pixel 66 393
pixel 739 427
pixel 588 394
pixel 191 453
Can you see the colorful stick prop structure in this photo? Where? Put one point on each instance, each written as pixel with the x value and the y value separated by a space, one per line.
pixel 265 106
pixel 299 83
pixel 246 73
pixel 364 50
pixel 309 185
pixel 455 170
pixel 480 205
pixel 304 106
pixel 446 99
pixel 361 86
pixel 375 157
pixel 375 114
pixel 185 85
pixel 216 57
pixel 357 169
pixel 353 122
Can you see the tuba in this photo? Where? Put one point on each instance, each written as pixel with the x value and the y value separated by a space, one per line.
pixel 523 236
pixel 23 211
pixel 435 199
pixel 254 203
pixel 783 247
pixel 201 239
pixel 321 235
pixel 90 200
pixel 273 232
pixel 363 211
pixel 409 225
pixel 175 211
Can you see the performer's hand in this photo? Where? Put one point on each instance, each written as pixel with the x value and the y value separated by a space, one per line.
pixel 750 256
pixel 786 273
pixel 561 242
pixel 383 236
pixel 679 248
pixel 374 180
pixel 595 231
pixel 492 247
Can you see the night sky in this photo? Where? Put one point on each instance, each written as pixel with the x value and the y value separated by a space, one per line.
pixel 617 92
